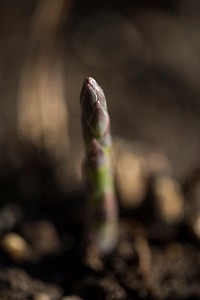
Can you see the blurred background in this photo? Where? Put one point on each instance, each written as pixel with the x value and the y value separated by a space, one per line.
pixel 145 55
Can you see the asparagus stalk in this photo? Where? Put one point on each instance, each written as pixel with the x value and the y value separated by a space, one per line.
pixel 101 200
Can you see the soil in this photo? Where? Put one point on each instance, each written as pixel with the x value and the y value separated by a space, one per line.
pixel 53 263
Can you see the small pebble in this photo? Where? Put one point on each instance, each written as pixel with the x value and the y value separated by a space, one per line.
pixel 131 174
pixel 196 225
pixel 72 297
pixel 93 260
pixel 15 246
pixel 169 199
pixel 41 296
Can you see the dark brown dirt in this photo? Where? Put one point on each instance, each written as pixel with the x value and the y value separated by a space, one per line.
pixel 141 267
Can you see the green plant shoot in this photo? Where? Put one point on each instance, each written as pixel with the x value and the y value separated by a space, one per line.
pixel 98 170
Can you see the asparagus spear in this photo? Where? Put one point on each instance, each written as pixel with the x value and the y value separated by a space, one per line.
pixel 102 208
